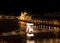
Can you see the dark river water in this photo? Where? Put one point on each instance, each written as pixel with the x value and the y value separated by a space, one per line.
pixel 51 40
pixel 36 40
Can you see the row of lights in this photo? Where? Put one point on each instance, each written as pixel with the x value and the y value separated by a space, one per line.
pixel 7 17
pixel 47 22
pixel 43 27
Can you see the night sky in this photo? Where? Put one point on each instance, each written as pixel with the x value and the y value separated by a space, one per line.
pixel 40 7
pixel 14 7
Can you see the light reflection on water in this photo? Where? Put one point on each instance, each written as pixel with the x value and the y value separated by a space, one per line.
pixel 30 41
pixel 43 41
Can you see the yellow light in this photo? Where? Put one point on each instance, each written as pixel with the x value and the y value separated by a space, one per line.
pixel 30 34
pixel 23 15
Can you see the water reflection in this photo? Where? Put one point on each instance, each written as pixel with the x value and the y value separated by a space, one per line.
pixel 43 41
pixel 30 41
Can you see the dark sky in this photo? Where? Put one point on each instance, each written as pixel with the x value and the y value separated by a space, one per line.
pixel 35 6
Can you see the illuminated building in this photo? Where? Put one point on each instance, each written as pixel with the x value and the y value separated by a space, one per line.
pixel 46 24
pixel 43 23
pixel 7 17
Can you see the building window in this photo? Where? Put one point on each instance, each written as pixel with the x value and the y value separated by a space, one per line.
pixel 43 26
pixel 41 21
pixel 49 27
pixel 12 17
pixel 6 17
pixel 54 28
pixel 49 22
pixel 57 28
pixel 0 17
pixel 44 21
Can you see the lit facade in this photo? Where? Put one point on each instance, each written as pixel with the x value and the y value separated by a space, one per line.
pixel 42 23
pixel 7 17
pixel 47 25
